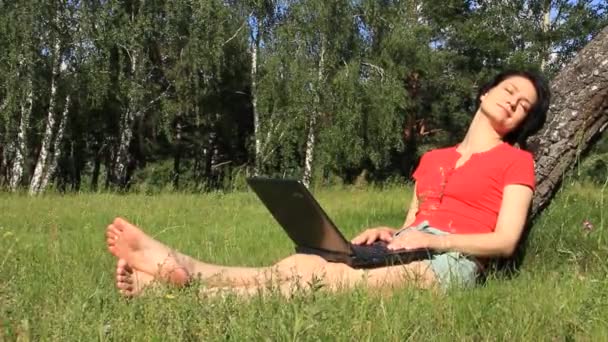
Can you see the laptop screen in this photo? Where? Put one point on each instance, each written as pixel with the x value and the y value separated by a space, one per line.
pixel 296 210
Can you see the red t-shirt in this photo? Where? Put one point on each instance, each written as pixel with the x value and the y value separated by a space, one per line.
pixel 467 199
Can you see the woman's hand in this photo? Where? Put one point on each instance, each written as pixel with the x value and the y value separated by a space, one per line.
pixel 415 239
pixel 372 235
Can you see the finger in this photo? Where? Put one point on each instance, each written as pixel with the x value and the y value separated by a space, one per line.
pixel 371 238
pixel 386 236
pixel 395 245
pixel 357 240
pixel 362 237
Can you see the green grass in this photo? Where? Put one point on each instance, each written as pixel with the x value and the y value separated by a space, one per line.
pixel 56 277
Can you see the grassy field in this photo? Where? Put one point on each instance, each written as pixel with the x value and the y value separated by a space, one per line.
pixel 56 277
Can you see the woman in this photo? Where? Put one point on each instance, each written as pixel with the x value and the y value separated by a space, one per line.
pixel 470 203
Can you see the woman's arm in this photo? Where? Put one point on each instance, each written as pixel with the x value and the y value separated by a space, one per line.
pixel 509 227
pixel 386 233
pixel 502 242
pixel 412 211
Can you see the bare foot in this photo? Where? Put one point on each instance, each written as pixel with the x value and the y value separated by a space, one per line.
pixel 130 282
pixel 142 253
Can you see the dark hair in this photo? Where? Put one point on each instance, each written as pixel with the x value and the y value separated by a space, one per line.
pixel 537 115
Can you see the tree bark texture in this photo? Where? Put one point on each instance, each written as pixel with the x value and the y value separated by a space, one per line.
pixel 122 151
pixel 18 166
pixel 45 149
pixel 312 120
pixel 54 157
pixel 255 44
pixel 577 115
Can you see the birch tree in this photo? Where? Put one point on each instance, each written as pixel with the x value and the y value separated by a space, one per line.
pixel 58 40
pixel 136 86
pixel 261 20
pixel 317 21
pixel 18 70
pixel 315 112
pixel 25 109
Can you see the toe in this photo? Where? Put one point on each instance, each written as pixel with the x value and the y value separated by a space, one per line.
pixel 124 286
pixel 115 230
pixel 122 279
pixel 112 233
pixel 110 242
pixel 119 223
pixel 122 269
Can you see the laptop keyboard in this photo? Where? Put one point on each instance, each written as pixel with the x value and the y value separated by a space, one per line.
pixel 374 251
pixel 378 254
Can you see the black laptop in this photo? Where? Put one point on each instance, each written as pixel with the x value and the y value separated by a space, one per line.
pixel 301 216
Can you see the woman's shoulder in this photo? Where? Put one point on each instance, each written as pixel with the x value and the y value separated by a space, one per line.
pixel 516 154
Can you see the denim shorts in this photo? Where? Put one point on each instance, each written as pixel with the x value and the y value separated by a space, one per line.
pixel 450 268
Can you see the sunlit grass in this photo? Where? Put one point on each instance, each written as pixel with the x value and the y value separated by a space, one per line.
pixel 56 278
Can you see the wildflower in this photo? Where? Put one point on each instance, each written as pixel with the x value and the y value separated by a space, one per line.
pixel 170 296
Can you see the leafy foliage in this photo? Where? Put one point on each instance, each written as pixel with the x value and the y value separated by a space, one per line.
pixel 170 83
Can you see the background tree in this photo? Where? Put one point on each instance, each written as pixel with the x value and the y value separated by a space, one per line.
pixel 191 95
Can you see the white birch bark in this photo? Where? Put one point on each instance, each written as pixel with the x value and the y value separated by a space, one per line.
pixel 21 143
pixel 546 24
pixel 43 157
pixel 122 152
pixel 254 101
pixel 312 121
pixel 52 163
pixel 126 130
pixel 131 115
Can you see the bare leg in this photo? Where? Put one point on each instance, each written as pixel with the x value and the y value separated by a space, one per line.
pixel 143 253
pixel 302 273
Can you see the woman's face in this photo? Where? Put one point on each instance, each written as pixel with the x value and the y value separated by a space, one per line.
pixel 507 104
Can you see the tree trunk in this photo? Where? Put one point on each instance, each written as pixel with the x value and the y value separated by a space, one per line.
pixel 96 170
pixel 45 149
pixel 52 163
pixel 3 175
pixel 546 25
pixel 578 114
pixel 177 156
pixel 255 44
pixel 134 111
pixel 21 143
pixel 122 152
pixel 121 158
pixel 312 122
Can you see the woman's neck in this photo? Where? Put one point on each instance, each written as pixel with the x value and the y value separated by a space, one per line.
pixel 480 136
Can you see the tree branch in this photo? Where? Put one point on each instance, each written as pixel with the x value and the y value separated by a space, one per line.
pixel 152 102
pixel 376 68
pixel 237 31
